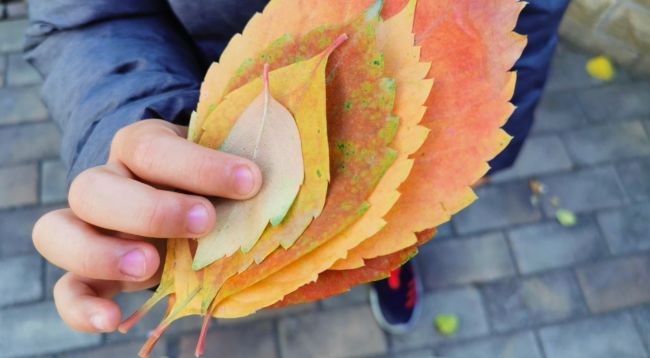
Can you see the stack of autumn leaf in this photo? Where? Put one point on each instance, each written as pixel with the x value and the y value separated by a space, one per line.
pixel 370 121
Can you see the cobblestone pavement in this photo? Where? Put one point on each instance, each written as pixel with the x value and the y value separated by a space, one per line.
pixel 522 285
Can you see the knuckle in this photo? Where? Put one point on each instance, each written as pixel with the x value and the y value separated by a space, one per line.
pixel 159 215
pixel 145 150
pixel 80 187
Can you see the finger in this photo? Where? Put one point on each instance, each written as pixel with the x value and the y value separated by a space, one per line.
pixel 75 246
pixel 105 198
pixel 154 151
pixel 86 308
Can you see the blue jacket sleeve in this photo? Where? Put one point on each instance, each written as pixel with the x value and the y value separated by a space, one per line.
pixel 107 64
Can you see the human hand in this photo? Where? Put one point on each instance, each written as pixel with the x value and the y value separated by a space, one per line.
pixel 109 238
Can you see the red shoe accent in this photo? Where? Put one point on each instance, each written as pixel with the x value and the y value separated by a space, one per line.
pixel 411 296
pixel 394 281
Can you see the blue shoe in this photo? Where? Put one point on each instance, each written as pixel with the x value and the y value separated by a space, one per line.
pixel 396 301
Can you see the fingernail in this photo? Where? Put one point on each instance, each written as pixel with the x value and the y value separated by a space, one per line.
pixel 99 322
pixel 134 264
pixel 244 181
pixel 197 220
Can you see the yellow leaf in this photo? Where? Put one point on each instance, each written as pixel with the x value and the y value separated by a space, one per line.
pixel 266 133
pixel 396 41
pixel 601 68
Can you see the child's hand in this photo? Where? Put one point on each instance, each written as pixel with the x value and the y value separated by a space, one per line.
pixel 106 240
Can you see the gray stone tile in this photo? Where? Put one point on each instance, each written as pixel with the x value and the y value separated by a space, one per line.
pixel 12 35
pixel 635 177
pixel 358 294
pixel 463 302
pixel 266 314
pixel 616 283
pixel 597 337
pixel 18 185
pixel 420 353
pixel 498 206
pixel 16 229
pixel 641 316
pixel 254 340
pixel 550 245
pixel 38 329
pixel 558 111
pixel 608 142
pixel 616 102
pixel 350 331
pixel 540 155
pixel 627 229
pixel 20 279
pixel 3 66
pixel 20 105
pixel 585 190
pixel 23 146
pixel 130 302
pixel 518 345
pixel 21 73
pixel 54 185
pixel 129 349
pixel 461 261
pixel 568 70
pixel 519 303
pixel 52 275
pixel 17 9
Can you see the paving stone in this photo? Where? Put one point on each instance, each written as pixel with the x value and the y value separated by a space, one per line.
pixel 518 345
pixel 558 111
pixel 17 9
pixel 617 283
pixel 255 340
pixel 518 303
pixel 358 294
pixel 641 316
pixel 586 190
pixel 540 155
pixel 130 302
pixel 634 176
pixel 29 142
pixel 52 275
pixel 129 349
pixel 350 331
pixel 38 329
pixel 568 70
pixel 268 314
pixel 498 206
pixel 598 337
pixel 3 65
pixel 461 261
pixel 627 229
pixel 16 229
pixel 20 279
pixel 12 35
pixel 21 73
pixel 550 245
pixel 18 185
pixel 616 102
pixel 20 105
pixel 420 353
pixel 463 302
pixel 54 185
pixel 608 142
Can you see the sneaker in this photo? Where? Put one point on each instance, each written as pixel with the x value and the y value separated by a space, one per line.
pixel 395 301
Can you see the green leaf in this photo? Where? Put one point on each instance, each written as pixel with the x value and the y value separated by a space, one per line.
pixel 566 217
pixel 447 324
